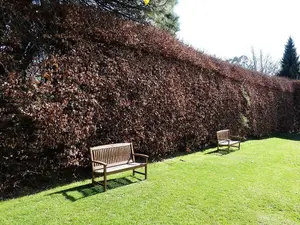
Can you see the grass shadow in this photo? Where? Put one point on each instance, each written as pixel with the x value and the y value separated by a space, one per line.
pixel 220 152
pixel 76 193
pixel 291 137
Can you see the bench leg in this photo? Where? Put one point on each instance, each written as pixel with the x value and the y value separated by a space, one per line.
pixel 145 172
pixel 105 182
pixel 93 178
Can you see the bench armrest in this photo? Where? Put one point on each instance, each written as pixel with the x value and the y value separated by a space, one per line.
pixel 145 157
pixel 237 137
pixel 141 155
pixel 102 163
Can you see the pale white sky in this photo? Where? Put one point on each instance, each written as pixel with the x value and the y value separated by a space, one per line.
pixel 228 28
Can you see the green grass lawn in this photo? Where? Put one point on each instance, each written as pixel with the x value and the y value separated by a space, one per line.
pixel 260 184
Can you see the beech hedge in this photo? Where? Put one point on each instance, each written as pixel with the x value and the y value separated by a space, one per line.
pixel 108 80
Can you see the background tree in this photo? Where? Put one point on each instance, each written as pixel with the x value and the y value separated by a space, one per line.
pixel 26 25
pixel 164 17
pixel 158 12
pixel 242 61
pixel 261 62
pixel 290 61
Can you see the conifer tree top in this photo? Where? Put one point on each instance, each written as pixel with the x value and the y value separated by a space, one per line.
pixel 290 61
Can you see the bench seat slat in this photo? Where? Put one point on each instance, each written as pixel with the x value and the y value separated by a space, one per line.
pixel 119 168
pixel 224 142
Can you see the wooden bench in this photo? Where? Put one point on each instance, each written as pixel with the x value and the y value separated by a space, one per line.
pixel 224 139
pixel 115 158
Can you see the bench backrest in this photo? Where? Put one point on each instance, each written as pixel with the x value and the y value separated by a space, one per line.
pixel 223 135
pixel 113 154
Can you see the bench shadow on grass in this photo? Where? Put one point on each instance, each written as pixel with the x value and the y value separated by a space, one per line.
pixel 76 193
pixel 221 152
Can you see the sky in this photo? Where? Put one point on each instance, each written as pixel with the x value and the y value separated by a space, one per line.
pixel 228 28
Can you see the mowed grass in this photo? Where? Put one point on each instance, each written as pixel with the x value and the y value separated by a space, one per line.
pixel 260 184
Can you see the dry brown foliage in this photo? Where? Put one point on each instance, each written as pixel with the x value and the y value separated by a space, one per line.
pixel 109 80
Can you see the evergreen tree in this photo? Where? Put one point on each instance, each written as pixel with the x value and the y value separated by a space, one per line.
pixel 164 17
pixel 160 13
pixel 290 61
